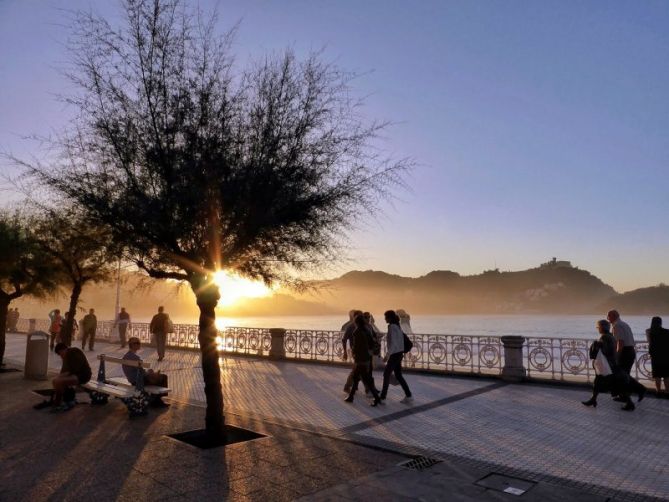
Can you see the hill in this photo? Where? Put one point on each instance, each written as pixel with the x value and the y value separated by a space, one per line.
pixel 552 288
pixel 651 301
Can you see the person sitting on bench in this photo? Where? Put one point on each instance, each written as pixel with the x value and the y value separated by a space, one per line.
pixel 75 371
pixel 150 377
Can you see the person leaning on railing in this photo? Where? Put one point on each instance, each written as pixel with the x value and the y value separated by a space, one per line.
pixel 658 348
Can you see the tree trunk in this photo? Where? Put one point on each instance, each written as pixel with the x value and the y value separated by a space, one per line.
pixel 4 307
pixel 207 298
pixel 66 333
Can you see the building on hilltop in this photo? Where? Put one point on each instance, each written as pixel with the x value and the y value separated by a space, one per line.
pixel 555 263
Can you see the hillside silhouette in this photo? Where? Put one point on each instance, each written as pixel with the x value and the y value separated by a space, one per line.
pixel 555 287
pixel 552 288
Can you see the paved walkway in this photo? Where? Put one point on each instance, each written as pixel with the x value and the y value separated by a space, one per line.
pixel 473 426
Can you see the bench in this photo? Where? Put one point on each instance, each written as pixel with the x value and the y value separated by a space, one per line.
pixel 153 390
pixel 135 397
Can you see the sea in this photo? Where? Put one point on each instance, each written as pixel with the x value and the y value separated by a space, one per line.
pixel 548 326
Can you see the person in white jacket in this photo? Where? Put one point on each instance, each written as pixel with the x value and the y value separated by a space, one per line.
pixel 394 356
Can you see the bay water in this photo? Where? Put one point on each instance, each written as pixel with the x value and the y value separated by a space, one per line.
pixel 547 326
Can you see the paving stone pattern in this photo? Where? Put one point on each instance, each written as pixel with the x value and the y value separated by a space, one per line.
pixel 475 425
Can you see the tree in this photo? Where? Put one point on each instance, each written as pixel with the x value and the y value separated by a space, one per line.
pixel 197 165
pixel 81 253
pixel 24 268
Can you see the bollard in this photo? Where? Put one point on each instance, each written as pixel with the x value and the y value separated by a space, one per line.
pixel 514 370
pixel 32 325
pixel 277 349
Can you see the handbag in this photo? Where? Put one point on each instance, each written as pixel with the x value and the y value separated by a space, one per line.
pixel 601 365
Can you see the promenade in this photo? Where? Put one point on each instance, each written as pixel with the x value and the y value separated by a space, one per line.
pixel 320 448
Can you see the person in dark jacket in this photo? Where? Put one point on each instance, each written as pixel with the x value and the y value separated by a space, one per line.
pixel 362 356
pixel 658 348
pixel 75 371
pixel 618 382
pixel 89 325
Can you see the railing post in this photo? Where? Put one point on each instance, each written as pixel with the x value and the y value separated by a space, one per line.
pixel 514 370
pixel 32 325
pixel 277 349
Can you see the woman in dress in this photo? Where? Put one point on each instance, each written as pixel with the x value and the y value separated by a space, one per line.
pixel 658 348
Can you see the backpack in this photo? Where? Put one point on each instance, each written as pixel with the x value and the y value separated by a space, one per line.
pixel 408 344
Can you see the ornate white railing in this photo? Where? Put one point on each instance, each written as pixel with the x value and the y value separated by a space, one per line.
pixel 564 359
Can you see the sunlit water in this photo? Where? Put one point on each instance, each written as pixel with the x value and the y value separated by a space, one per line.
pixel 572 326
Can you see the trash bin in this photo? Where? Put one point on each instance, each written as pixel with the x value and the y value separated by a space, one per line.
pixel 37 356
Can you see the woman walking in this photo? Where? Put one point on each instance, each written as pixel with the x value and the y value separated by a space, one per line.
pixel 394 356
pixel 616 380
pixel 658 348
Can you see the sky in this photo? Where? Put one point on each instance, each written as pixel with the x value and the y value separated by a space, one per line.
pixel 538 129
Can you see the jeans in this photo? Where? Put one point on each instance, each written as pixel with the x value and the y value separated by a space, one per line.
pixel 161 340
pixel 121 333
pixel 394 365
pixel 363 371
pixel 627 358
pixel 88 334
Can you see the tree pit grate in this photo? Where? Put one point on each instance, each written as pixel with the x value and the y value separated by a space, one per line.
pixel 200 439
pixel 419 463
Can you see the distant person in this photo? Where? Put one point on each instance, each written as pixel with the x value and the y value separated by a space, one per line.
pixel 625 351
pixel 55 327
pixel 618 381
pixel 150 377
pixel 405 321
pixel 123 322
pixel 159 328
pixel 347 337
pixel 89 325
pixel 377 336
pixel 75 371
pixel 75 326
pixel 658 348
pixel 362 357
pixel 394 356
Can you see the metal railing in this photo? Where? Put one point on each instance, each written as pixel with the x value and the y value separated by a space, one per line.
pixel 563 359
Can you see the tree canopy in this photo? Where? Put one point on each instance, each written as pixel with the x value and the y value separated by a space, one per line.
pixel 80 252
pixel 197 164
pixel 24 268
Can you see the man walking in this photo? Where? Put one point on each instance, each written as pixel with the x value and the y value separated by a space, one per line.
pixel 625 351
pixel 158 328
pixel 122 321
pixel 362 346
pixel 89 324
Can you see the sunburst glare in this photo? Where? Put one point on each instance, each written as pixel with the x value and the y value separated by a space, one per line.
pixel 233 288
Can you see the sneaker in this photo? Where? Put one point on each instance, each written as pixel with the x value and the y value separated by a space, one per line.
pixel 349 399
pixel 628 407
pixel 407 400
pixel 42 405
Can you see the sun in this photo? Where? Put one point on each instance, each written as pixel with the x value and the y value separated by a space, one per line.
pixel 234 288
